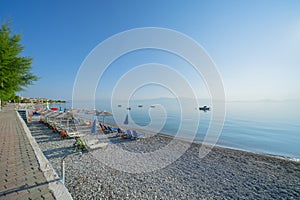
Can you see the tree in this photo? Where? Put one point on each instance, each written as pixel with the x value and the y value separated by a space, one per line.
pixel 15 70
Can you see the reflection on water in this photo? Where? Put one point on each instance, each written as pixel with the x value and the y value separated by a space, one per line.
pixel 264 127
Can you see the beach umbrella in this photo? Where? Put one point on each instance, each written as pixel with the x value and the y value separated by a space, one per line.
pixel 97 112
pixel 94 127
pixel 126 120
pixel 67 116
pixel 90 112
pixel 55 115
pixel 50 114
pixel 105 114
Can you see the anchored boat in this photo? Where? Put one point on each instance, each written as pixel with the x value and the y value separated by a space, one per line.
pixel 204 108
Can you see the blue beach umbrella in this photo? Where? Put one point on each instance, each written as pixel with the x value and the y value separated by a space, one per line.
pixel 94 127
pixel 126 120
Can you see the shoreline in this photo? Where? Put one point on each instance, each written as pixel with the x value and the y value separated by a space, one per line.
pixel 254 146
pixel 149 132
pixel 223 173
pixel 237 149
pixel 295 159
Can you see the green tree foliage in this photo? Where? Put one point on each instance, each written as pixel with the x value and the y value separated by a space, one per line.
pixel 15 70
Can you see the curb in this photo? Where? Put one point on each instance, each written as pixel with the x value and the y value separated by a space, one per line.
pixel 55 185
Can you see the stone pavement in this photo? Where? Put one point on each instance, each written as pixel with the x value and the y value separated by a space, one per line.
pixel 20 174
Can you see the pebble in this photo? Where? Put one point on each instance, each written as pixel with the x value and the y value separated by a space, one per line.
pixel 222 174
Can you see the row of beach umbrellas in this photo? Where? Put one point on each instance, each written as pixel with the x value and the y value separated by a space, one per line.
pixel 76 113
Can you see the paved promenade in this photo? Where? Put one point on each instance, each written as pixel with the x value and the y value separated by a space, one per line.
pixel 20 174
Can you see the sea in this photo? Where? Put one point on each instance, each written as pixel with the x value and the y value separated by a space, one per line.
pixel 264 127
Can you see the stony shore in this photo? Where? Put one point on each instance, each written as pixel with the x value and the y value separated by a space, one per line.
pixel 222 174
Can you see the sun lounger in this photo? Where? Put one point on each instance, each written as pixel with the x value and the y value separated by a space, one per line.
pixel 105 129
pixel 63 134
pixel 55 129
pixel 94 144
pixel 112 129
pixel 129 134
pixel 121 133
pixel 125 134
pixel 137 135
pixel 74 134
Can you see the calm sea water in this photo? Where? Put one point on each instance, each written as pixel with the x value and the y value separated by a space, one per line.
pixel 266 127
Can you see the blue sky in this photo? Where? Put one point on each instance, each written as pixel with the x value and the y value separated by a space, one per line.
pixel 255 44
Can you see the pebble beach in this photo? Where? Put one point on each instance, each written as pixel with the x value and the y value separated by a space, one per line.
pixel 222 174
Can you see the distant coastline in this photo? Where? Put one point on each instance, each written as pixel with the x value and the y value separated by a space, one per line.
pixel 38 100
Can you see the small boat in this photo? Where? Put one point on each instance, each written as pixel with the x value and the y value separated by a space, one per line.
pixel 54 108
pixel 119 105
pixel 204 108
pixel 140 106
pixel 128 108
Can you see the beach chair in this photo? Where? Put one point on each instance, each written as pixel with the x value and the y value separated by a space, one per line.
pixel 124 134
pixel 63 134
pixel 112 129
pixel 73 134
pixel 129 134
pixel 107 129
pixel 83 129
pixel 121 133
pixel 104 129
pixel 137 135
pixel 55 129
pixel 93 144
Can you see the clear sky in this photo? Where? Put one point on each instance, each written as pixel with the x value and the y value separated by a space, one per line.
pixel 255 44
